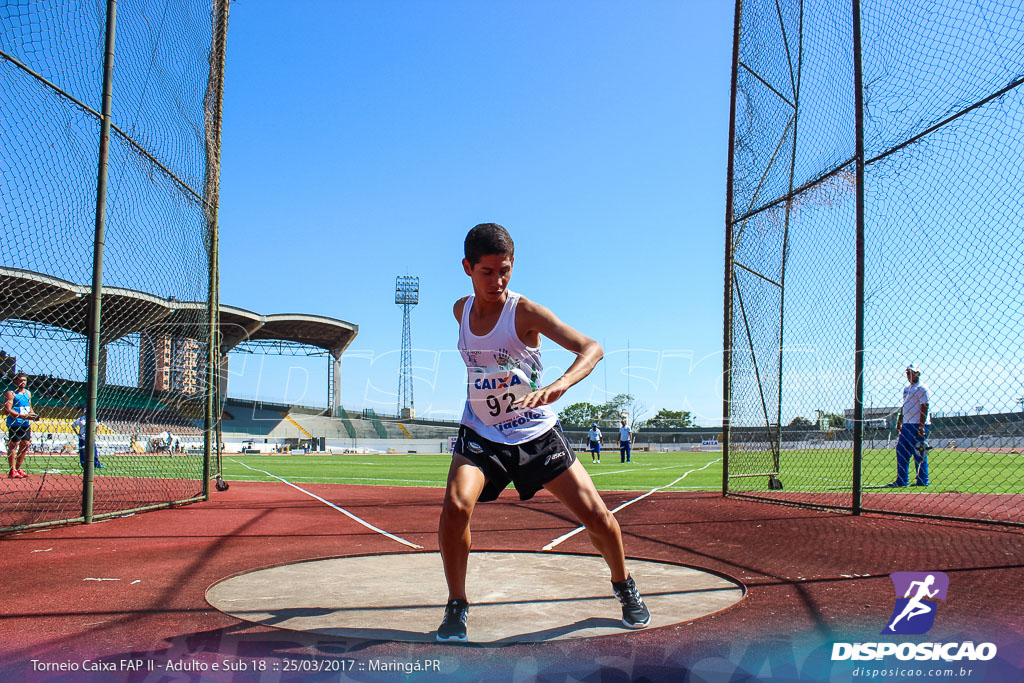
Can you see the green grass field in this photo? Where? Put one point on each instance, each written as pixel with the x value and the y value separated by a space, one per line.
pixel 648 471
pixel 808 470
pixel 961 471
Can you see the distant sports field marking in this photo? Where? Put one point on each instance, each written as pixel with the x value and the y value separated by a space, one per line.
pixel 575 531
pixel 332 505
pixel 650 469
pixel 343 479
pixel 601 474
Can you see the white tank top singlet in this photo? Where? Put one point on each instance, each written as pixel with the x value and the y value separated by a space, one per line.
pixel 500 369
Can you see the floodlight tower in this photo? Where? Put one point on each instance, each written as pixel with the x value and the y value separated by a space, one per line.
pixel 407 295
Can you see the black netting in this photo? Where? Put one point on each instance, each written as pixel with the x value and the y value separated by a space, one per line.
pixel 161 189
pixel 943 261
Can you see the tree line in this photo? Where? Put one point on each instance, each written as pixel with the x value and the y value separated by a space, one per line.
pixel 609 413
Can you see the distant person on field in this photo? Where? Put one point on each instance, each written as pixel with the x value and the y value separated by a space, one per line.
pixel 595 439
pixel 18 409
pixel 625 442
pixel 509 432
pixel 912 427
pixel 79 427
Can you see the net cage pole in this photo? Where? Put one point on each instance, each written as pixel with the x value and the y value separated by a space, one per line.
pixel 773 480
pixel 858 369
pixel 97 264
pixel 727 314
pixel 211 191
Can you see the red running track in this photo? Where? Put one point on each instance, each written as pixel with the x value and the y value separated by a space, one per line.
pixel 812 578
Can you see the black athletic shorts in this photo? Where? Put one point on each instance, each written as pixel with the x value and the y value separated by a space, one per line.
pixel 19 432
pixel 528 465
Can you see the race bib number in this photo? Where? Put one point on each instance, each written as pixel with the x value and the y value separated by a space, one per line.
pixel 492 394
pixel 24 410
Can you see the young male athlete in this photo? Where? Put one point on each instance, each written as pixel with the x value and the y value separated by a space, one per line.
pixel 508 432
pixel 18 409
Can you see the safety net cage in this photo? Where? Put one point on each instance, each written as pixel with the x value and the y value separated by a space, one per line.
pixel 875 219
pixel 109 161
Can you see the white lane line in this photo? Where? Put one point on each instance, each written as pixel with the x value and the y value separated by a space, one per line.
pixel 575 531
pixel 332 505
pixel 601 474
pixel 324 480
pixel 650 469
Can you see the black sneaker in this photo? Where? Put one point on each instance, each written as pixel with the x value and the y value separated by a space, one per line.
pixel 453 627
pixel 634 612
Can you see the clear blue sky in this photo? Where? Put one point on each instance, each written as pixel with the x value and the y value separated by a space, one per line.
pixel 362 140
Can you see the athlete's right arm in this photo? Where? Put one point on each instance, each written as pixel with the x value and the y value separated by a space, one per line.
pixel 9 403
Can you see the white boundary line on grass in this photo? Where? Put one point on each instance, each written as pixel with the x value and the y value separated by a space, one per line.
pixel 330 504
pixel 575 531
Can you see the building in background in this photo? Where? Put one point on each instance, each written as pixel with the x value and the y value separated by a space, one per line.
pixel 168 363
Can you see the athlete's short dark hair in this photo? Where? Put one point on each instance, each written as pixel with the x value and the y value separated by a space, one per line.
pixel 488 238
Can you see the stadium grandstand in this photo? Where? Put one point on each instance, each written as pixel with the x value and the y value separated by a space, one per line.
pixel 260 426
pixel 159 414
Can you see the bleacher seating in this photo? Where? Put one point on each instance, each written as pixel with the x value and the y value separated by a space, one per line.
pixel 248 418
pixel 375 421
pixel 349 428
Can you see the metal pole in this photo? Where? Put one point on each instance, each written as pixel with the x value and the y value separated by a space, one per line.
pixel 858 398
pixel 727 308
pixel 211 196
pixel 777 465
pixel 95 298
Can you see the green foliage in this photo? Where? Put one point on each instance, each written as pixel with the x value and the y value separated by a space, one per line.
pixel 607 414
pixel 836 421
pixel 613 410
pixel 669 419
pixel 801 422
pixel 579 415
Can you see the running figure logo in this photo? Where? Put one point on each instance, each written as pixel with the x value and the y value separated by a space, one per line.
pixel 916 593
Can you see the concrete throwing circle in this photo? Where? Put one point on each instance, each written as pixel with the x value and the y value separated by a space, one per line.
pixel 514 596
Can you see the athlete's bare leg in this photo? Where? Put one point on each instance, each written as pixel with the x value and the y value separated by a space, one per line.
pixel 576 491
pixel 465 483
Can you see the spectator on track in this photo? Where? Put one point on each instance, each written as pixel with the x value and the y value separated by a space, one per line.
pixel 79 427
pixel 912 427
pixel 625 442
pixel 595 439
pixel 18 409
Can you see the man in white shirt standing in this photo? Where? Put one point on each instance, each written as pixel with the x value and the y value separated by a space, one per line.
pixel 912 427
pixel 594 436
pixel 625 442
pixel 79 428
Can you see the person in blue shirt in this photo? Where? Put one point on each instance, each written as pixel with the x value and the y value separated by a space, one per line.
pixel 18 409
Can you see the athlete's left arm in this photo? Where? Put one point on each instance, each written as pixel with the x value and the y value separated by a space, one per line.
pixel 533 320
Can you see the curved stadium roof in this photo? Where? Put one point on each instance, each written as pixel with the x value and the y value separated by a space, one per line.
pixel 48 300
